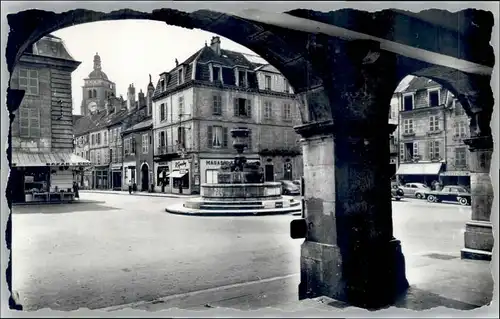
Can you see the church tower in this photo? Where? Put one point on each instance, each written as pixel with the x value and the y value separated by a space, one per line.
pixel 149 96
pixel 96 90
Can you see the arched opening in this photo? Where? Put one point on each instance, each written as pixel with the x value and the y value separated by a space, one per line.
pixel 145 177
pixel 433 170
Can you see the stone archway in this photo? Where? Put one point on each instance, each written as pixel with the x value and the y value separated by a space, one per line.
pixel 349 251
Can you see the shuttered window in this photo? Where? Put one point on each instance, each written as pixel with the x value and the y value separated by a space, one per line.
pixel 242 107
pixel 217 137
pixel 28 81
pixel 29 122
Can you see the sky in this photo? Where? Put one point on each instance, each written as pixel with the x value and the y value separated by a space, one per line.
pixel 130 50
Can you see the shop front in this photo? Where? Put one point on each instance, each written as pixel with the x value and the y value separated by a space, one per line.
pixel 101 174
pixel 116 176
pixel 162 177
pixel 180 178
pixel 461 178
pixel 129 174
pixel 210 168
pixel 426 173
pixel 42 177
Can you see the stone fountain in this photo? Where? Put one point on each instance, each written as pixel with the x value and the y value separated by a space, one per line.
pixel 240 189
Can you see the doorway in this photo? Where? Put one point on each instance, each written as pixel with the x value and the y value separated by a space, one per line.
pixel 288 171
pixel 269 172
pixel 145 177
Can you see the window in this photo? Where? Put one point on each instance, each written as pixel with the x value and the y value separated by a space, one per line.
pixel 90 94
pixel 94 93
pixel 162 84
pixel 181 106
pixel 29 122
pixel 459 110
pixel 217 137
pixel 161 142
pixel 98 138
pixel 98 154
pixel 28 81
pixel 408 102
pixel 434 150
pixel 92 139
pixel 268 109
pixel 286 86
pixel 216 74
pixel 145 143
pixel 433 123
pixel 267 83
pixel 242 78
pixel 242 107
pixel 460 156
pixel 217 105
pixel 408 126
pixel 106 157
pixel 416 150
pixel 287 112
pixel 180 74
pixel 105 137
pixel 409 151
pixel 162 112
pixel 132 145
pixel 181 136
pixel 460 129
pixel 249 147
pixel 433 97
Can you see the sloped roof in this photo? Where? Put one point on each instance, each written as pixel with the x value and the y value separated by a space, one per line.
pixel 140 126
pixel 420 83
pixel 51 46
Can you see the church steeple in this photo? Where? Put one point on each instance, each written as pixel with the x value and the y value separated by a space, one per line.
pixel 97 62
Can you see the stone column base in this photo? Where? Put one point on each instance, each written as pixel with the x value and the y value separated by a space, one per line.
pixel 478 239
pixel 375 278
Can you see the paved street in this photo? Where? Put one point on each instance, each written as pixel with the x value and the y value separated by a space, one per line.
pixel 125 249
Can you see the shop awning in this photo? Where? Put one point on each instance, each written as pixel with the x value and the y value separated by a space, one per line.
pixel 26 159
pixel 177 174
pixel 455 173
pixel 419 169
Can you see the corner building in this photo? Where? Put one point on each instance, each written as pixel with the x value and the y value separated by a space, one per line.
pixel 199 101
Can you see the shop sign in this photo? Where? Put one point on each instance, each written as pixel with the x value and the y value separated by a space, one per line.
pixel 180 164
pixel 217 163
pixel 182 171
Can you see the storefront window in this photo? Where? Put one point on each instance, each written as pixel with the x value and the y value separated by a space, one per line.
pixel 211 176
pixel 184 181
pixel 162 176
pixel 36 179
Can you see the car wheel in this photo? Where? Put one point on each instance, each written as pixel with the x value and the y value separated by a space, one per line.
pixel 432 199
pixel 398 199
pixel 419 196
pixel 463 201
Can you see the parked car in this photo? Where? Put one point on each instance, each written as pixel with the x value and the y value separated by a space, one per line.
pixel 396 192
pixel 415 189
pixel 297 182
pixel 289 188
pixel 450 193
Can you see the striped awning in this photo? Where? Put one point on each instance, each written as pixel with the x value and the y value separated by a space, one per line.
pixel 26 159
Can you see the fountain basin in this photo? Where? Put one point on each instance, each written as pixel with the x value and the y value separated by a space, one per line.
pixel 242 192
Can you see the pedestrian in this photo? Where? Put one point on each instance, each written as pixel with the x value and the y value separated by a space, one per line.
pixel 130 186
pixel 75 189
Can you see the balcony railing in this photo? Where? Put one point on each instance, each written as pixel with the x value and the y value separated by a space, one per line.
pixel 170 149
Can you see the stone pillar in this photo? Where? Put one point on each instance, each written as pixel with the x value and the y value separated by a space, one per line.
pixel 349 253
pixel 478 235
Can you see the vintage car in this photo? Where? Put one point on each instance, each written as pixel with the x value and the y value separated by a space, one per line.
pixel 396 192
pixel 415 189
pixel 450 193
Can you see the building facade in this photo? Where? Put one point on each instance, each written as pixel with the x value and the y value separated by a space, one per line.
pixel 98 134
pixel 199 101
pixel 43 165
pixel 138 155
pixel 433 125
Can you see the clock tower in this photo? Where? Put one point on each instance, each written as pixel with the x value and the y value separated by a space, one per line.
pixel 96 89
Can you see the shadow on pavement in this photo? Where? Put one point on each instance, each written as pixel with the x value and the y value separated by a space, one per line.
pixel 420 299
pixel 61 208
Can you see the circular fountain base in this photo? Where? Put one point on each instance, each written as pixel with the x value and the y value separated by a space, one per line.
pixel 201 206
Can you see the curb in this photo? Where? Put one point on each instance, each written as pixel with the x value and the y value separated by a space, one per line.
pixel 198 212
pixel 58 203
pixel 140 194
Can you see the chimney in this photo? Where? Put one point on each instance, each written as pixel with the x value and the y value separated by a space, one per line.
pixel 131 97
pixel 176 63
pixel 215 45
pixel 142 99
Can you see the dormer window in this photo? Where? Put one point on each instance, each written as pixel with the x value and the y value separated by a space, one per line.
pixel 162 84
pixel 287 87
pixel 242 78
pixel 216 73
pixel 267 83
pixel 180 76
